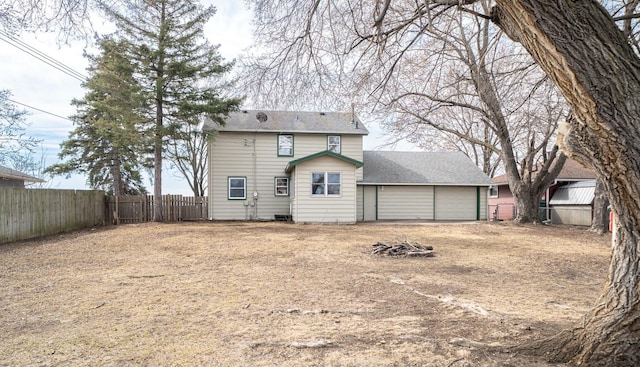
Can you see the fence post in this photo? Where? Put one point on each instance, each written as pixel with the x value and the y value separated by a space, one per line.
pixel 116 214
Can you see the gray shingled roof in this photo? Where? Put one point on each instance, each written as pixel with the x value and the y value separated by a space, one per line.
pixel 12 174
pixel 291 121
pixel 426 168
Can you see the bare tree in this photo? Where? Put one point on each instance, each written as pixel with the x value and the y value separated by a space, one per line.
pixel 482 94
pixel 589 55
pixel 67 17
pixel 190 157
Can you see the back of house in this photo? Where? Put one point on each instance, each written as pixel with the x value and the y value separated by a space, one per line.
pixel 302 165
pixel 310 167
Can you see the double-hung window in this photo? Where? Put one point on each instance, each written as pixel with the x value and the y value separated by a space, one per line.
pixel 334 144
pixel 237 188
pixel 285 145
pixel 281 186
pixel 326 183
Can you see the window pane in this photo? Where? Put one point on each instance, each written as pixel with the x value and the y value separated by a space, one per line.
pixel 317 178
pixel 334 177
pixel 333 189
pixel 285 145
pixel 236 182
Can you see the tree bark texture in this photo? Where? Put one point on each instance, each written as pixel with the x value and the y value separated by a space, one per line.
pixel 579 46
pixel 600 212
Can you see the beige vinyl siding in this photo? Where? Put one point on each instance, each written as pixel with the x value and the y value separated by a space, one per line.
pixel 232 154
pixel 313 209
pixel 456 203
pixel 307 144
pixel 405 202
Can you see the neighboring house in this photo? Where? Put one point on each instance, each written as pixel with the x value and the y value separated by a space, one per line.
pixel 310 167
pixel 11 178
pixel 501 201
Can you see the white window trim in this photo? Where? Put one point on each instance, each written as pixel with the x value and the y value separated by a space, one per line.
pixel 275 185
pixel 326 184
pixel 244 180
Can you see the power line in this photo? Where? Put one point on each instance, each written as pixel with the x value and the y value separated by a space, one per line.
pixel 39 110
pixel 22 46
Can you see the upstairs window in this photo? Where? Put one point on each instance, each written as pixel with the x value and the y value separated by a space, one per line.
pixel 334 144
pixel 285 145
pixel 326 183
pixel 237 188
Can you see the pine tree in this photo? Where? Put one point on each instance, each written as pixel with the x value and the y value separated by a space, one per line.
pixel 174 62
pixel 107 143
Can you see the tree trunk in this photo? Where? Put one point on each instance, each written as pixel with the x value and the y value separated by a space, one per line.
pixel 579 46
pixel 117 177
pixel 600 212
pixel 527 204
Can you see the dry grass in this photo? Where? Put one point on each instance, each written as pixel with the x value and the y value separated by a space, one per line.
pixel 275 294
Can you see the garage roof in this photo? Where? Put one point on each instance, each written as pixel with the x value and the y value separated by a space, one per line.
pixel 422 168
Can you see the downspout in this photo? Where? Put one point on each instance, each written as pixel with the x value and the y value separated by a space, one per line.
pixel 477 202
pixel 377 201
pixel 255 179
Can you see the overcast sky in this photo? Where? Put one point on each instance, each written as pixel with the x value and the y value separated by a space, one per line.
pixel 36 84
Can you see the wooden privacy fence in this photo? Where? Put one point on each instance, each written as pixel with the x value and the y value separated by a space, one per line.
pixel 28 213
pixel 124 209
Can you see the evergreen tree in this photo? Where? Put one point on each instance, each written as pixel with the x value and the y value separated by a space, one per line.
pixel 174 62
pixel 106 143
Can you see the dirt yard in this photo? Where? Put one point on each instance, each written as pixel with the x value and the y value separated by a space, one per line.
pixel 279 294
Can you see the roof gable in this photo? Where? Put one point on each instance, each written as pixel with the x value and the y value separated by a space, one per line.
pixel 426 168
pixel 341 157
pixel 291 122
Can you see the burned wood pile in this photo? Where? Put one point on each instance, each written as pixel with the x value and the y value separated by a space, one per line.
pixel 403 249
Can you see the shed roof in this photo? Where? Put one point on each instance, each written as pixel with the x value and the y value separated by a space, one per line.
pixel 577 193
pixel 422 168
pixel 290 122
pixel 11 174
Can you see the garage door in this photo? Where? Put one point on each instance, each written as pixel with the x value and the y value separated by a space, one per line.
pixel 405 202
pixel 456 203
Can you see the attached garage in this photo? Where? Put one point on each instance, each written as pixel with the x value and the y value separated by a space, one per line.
pixel 421 186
